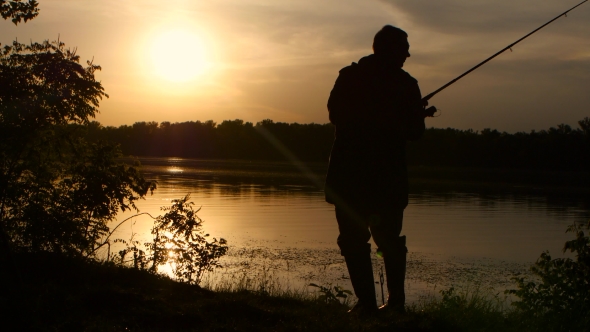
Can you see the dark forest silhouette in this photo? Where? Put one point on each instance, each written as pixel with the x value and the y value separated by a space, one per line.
pixel 560 148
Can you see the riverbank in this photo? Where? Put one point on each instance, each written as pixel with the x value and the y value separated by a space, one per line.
pixel 45 292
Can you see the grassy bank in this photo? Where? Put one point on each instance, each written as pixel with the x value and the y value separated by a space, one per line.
pixel 48 293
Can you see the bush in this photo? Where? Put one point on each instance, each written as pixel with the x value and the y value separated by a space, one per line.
pixel 560 299
pixel 57 192
pixel 180 241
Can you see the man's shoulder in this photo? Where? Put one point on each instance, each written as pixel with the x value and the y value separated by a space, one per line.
pixel 364 64
pixel 349 69
pixel 408 77
pixel 349 75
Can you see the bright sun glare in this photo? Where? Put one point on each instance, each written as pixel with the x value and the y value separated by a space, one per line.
pixel 178 56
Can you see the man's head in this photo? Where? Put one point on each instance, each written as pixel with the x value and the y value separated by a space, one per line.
pixel 392 42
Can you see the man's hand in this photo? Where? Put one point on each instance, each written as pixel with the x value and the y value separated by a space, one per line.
pixel 429 112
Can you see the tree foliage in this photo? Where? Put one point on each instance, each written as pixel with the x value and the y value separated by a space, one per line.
pixel 44 84
pixel 57 191
pixel 18 10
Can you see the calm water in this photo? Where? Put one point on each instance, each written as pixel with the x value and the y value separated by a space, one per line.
pixel 274 215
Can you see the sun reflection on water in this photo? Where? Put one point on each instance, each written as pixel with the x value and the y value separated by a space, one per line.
pixel 174 170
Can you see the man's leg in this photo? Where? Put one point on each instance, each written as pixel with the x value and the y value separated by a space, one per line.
pixel 386 230
pixel 353 242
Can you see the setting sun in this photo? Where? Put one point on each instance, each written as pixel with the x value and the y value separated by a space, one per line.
pixel 178 56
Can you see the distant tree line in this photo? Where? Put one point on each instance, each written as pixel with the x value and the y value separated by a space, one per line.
pixel 231 139
pixel 560 148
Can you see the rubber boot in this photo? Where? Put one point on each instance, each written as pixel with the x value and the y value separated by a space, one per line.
pixel 360 270
pixel 395 271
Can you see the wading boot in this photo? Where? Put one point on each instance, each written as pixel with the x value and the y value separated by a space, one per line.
pixel 395 271
pixel 360 270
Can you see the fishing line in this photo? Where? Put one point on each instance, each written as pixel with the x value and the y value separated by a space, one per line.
pixel 509 47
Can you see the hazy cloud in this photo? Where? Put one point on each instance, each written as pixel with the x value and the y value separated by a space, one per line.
pixel 279 59
pixel 480 16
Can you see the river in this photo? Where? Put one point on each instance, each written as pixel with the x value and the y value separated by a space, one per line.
pixel 281 231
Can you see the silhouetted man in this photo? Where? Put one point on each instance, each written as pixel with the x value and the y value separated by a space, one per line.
pixel 376 107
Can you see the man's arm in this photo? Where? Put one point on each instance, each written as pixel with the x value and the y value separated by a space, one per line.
pixel 412 124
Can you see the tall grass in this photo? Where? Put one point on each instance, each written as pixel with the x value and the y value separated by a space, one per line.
pixel 267 282
pixel 461 308
pixel 469 308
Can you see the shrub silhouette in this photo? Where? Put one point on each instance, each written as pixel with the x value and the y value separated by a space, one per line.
pixel 560 299
pixel 180 241
pixel 57 191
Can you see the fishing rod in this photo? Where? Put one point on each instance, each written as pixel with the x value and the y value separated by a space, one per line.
pixel 495 55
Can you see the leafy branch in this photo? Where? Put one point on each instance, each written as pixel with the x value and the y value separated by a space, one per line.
pixel 18 10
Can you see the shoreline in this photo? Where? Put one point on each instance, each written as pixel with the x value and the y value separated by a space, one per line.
pixel 449 177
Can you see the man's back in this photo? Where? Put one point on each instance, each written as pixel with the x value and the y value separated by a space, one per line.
pixel 376 99
pixel 374 105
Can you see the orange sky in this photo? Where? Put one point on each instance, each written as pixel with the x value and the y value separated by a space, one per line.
pixel 182 60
